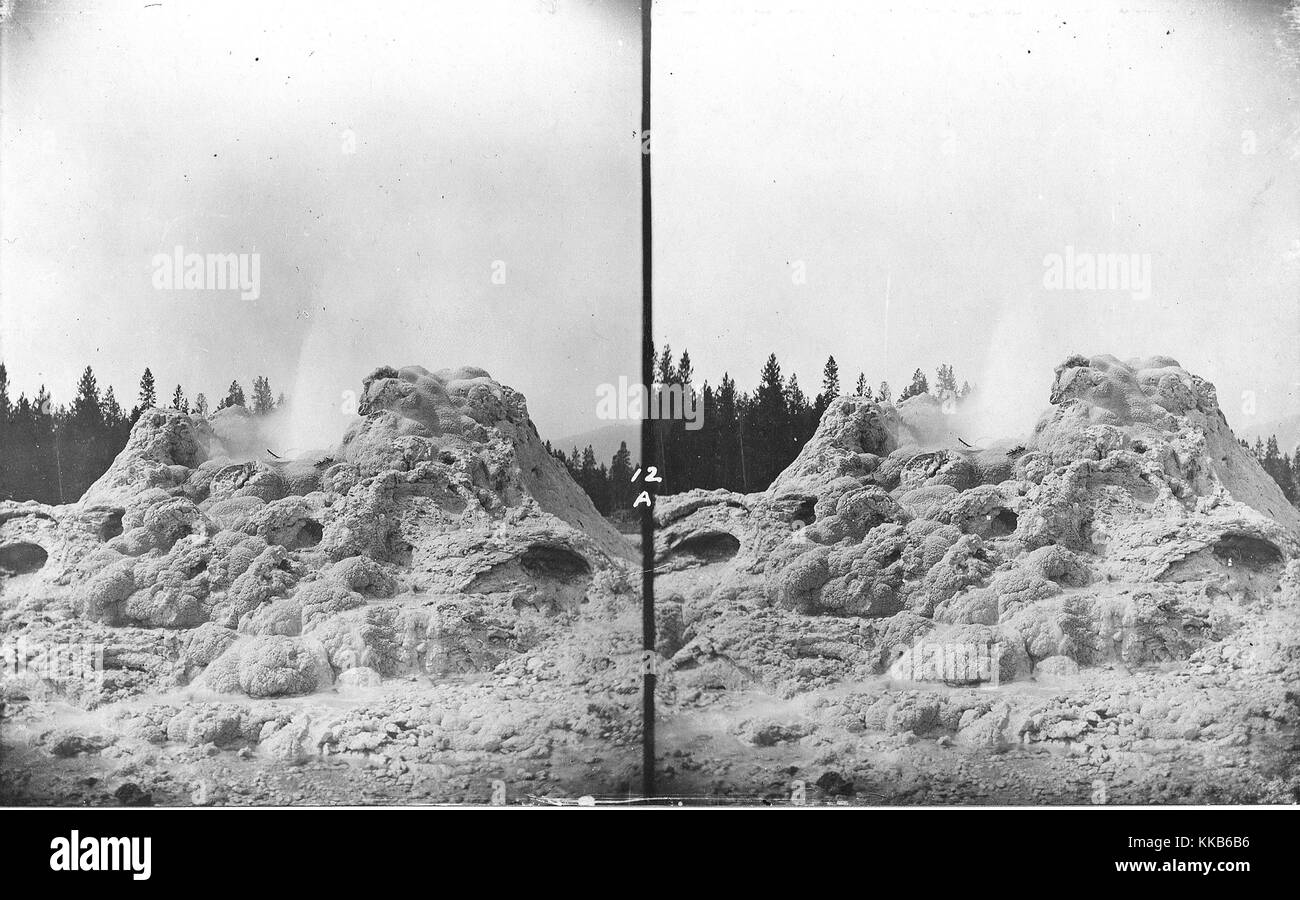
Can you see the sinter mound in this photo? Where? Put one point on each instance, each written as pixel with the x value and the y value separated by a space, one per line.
pixel 437 546
pixel 1105 609
pixel 1108 589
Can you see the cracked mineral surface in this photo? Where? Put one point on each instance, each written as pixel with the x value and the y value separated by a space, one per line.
pixel 433 608
pixel 1105 612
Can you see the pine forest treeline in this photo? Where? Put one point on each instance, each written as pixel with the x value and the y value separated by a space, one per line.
pixel 748 438
pixel 52 451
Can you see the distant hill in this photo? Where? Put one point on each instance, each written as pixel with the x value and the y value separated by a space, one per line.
pixel 1287 430
pixel 604 441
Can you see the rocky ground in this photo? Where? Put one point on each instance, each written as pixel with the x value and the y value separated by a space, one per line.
pixel 433 607
pixel 1184 734
pixel 1107 611
pixel 1103 612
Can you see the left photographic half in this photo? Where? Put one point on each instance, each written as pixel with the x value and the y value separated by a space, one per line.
pixel 309 494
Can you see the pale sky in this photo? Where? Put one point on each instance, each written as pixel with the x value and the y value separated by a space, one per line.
pixel 935 153
pixel 916 164
pixel 483 130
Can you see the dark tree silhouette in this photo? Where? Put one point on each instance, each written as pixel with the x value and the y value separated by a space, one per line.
pixel 234 396
pixel 148 396
pixel 830 387
pixel 263 399
pixel 53 453
pixel 920 385
pixel 767 440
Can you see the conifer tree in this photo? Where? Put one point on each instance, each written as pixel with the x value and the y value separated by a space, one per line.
pixel 665 374
pixel 263 400
pixel 114 418
pixel 86 411
pixel 945 382
pixel 831 379
pixel 234 396
pixel 920 385
pixel 620 477
pixel 730 460
pixel 830 388
pixel 148 396
pixel 767 429
pixel 799 419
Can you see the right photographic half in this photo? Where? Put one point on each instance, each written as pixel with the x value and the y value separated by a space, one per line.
pixel 976 335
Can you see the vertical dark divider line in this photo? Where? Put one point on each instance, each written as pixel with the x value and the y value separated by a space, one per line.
pixel 647 431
